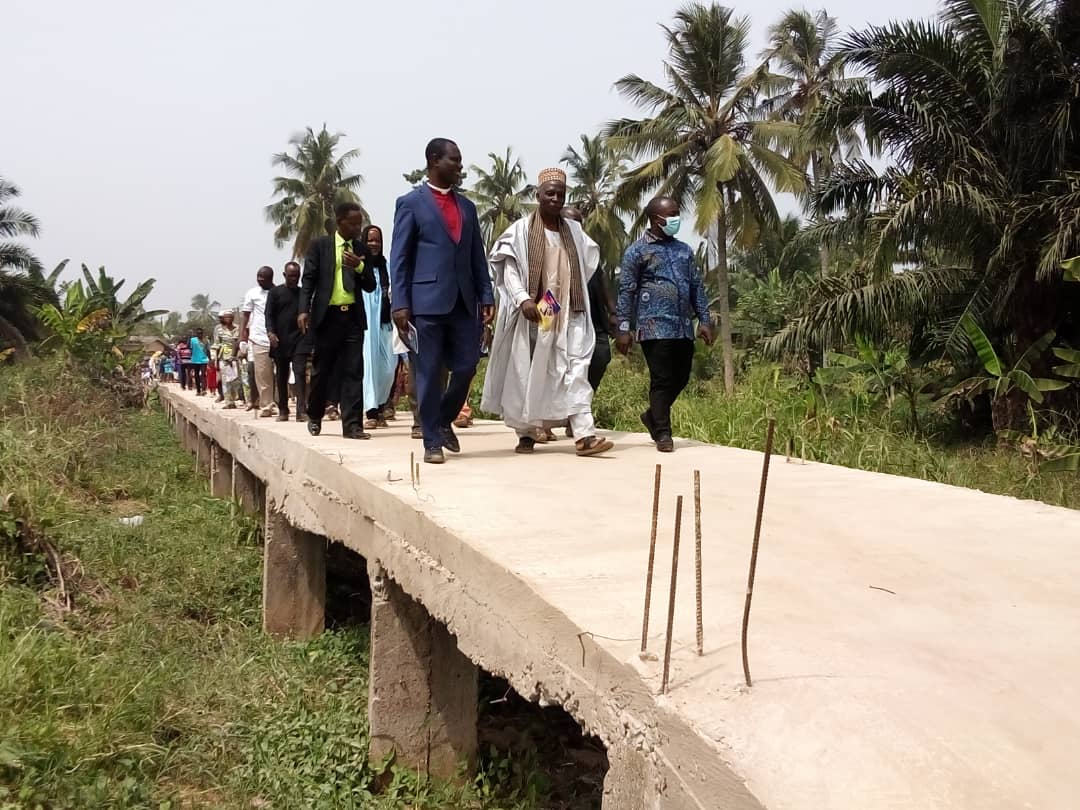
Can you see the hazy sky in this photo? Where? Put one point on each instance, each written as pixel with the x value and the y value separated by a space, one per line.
pixel 141 132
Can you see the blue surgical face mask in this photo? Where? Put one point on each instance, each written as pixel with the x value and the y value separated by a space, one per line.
pixel 671 225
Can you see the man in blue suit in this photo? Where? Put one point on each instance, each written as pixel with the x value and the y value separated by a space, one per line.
pixel 440 284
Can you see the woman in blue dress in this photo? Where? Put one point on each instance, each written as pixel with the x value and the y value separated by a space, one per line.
pixel 380 363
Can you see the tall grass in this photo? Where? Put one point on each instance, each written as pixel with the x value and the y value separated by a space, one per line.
pixel 159 689
pixel 848 428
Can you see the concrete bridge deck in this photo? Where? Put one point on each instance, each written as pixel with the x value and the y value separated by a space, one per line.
pixel 959 689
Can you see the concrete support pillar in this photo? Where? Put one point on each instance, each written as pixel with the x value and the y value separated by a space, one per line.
pixel 626 784
pixel 294 579
pixel 247 490
pixel 221 471
pixel 191 437
pixel 203 452
pixel 422 693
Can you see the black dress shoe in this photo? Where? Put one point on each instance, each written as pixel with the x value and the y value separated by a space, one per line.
pixel 449 440
pixel 314 427
pixel 434 456
pixel 356 434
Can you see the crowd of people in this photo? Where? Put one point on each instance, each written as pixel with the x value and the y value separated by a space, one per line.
pixel 353 332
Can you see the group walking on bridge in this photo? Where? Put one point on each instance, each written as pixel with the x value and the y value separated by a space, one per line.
pixel 369 330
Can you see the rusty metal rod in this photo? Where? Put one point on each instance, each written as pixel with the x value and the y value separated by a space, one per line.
pixel 652 560
pixel 671 595
pixel 697 560
pixel 754 550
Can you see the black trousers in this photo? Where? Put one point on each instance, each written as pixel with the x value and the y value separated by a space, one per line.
pixel 185 375
pixel 198 375
pixel 339 355
pixel 297 364
pixel 670 362
pixel 300 372
pixel 601 358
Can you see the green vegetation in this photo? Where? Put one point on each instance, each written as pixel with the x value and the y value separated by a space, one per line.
pixel 708 144
pixel 862 421
pixel 923 319
pixel 936 164
pixel 144 680
pixel 594 171
pixel 316 180
pixel 502 194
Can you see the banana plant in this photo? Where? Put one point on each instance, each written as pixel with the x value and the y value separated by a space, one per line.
pixel 1043 450
pixel 889 376
pixel 1071 367
pixel 80 327
pixel 999 381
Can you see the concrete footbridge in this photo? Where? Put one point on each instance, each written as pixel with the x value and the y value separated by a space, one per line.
pixel 913 646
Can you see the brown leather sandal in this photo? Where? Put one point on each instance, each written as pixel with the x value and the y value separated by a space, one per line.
pixel 593 446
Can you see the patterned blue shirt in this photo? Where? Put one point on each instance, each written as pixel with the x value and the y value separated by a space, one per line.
pixel 661 290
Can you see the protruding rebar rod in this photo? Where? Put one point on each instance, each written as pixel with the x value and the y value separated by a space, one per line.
pixel 671 595
pixel 652 560
pixel 754 550
pixel 697 561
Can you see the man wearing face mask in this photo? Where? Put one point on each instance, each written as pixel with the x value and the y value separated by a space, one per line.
pixel 661 292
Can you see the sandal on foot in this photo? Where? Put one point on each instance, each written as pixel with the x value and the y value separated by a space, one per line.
pixel 593 446
pixel 525 445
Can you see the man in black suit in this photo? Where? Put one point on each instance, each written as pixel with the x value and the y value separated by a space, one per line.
pixel 282 309
pixel 334 274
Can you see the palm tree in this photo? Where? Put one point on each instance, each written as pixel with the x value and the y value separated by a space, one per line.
pixel 202 311
pixel 170 325
pixel 784 249
pixel 595 173
pixel 501 194
pixel 19 296
pixel 315 182
pixel 15 222
pixel 809 70
pixel 979 111
pixel 704 145
pixel 20 287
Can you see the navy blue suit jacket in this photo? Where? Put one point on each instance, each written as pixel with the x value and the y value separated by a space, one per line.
pixel 428 271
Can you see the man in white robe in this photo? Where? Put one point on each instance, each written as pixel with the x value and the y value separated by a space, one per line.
pixel 538 372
